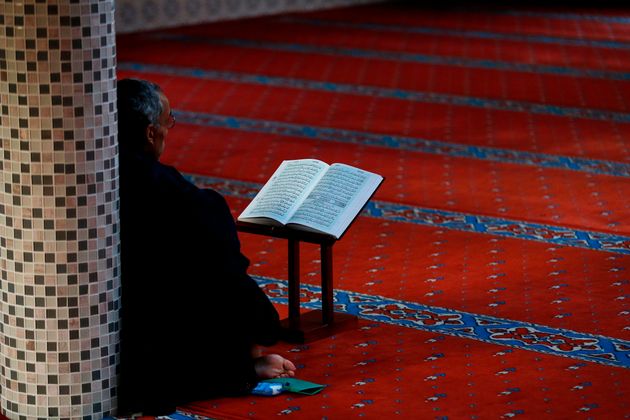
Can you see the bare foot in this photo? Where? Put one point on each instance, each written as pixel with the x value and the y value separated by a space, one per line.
pixel 273 366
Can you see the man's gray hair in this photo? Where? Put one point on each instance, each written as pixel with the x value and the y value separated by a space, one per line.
pixel 152 107
pixel 139 105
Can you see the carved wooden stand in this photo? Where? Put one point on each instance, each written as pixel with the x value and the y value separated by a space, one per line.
pixel 315 324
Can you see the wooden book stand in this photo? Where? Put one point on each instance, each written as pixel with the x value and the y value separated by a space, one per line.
pixel 315 324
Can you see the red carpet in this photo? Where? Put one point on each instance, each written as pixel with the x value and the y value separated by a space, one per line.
pixel 490 271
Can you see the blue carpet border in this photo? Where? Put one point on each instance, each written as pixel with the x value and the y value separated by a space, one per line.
pixel 376 91
pixel 503 332
pixel 399 56
pixel 518 229
pixel 600 167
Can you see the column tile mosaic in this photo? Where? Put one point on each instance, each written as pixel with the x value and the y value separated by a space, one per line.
pixel 138 15
pixel 59 241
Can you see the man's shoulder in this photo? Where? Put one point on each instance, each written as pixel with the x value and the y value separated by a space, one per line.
pixel 164 182
pixel 140 175
pixel 170 176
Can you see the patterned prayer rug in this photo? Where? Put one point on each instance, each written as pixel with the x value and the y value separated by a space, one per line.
pixel 490 271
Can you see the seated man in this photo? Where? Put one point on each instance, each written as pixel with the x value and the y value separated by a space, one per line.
pixel 192 319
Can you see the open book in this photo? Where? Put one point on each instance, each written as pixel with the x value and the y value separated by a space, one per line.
pixel 309 194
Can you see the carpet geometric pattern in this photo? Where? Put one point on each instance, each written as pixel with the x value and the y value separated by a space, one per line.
pixel 490 272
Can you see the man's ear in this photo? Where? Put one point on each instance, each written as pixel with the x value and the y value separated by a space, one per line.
pixel 150 134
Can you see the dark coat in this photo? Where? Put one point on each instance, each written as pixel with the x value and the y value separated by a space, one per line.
pixel 190 313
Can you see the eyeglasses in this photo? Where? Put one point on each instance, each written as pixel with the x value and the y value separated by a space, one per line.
pixel 170 123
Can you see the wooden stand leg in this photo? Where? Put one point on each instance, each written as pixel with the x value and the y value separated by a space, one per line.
pixel 294 284
pixel 318 323
pixel 327 285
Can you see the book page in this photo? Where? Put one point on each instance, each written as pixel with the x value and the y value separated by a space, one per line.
pixel 337 199
pixel 287 187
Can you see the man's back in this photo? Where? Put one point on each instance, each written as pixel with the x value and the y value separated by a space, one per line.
pixel 184 283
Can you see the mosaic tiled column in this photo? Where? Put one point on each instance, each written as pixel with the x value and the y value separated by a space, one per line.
pixel 59 243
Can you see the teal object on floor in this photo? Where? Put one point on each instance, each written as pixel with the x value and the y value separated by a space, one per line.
pixel 268 389
pixel 297 386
